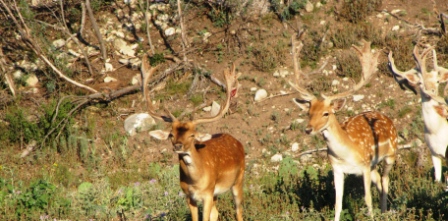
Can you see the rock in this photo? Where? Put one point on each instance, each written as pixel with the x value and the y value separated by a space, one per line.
pixel 108 67
pixel 205 36
pixel 295 147
pixel 309 7
pixel 170 31
pixel 358 97
pixel 277 158
pixel 261 94
pixel 136 79
pixel 215 109
pixel 109 79
pixel 396 28
pixel 17 74
pixel 253 89
pixel 58 43
pixel 299 121
pixel 32 80
pixel 335 83
pixel 138 122
pixel 207 109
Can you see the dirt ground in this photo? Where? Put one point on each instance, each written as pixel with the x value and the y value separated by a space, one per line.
pixel 258 125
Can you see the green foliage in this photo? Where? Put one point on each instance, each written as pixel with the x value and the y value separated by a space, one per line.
pixel 289 10
pixel 197 99
pixel 156 59
pixel 21 128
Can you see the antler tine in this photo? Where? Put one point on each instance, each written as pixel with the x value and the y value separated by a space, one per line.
pixel 297 71
pixel 147 72
pixel 228 75
pixel 420 59
pixel 440 70
pixel 369 63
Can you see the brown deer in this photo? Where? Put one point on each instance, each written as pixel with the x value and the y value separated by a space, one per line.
pixel 361 142
pixel 208 166
pixel 434 110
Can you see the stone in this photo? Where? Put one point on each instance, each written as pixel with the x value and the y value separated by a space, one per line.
pixel 138 122
pixel 215 109
pixel 295 147
pixel 32 80
pixel 358 97
pixel 277 158
pixel 261 94
pixel 58 43
pixel 109 79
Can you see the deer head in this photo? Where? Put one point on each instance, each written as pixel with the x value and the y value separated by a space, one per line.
pixel 321 112
pixel 419 77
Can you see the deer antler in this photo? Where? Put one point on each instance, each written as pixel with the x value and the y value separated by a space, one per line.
pixel 442 72
pixel 369 63
pixel 420 59
pixel 297 71
pixel 230 77
pixel 147 72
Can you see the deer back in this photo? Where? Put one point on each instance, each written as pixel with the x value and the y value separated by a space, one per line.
pixel 374 134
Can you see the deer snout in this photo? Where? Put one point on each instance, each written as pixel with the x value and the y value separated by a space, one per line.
pixel 308 130
pixel 178 146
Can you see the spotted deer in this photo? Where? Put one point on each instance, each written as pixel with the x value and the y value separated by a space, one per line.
pixel 208 166
pixel 434 110
pixel 360 143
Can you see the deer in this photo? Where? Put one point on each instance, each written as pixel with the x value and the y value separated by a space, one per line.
pixel 434 107
pixel 209 165
pixel 360 143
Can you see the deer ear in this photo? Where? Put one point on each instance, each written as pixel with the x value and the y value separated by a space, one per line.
pixel 302 104
pixel 441 110
pixel 202 137
pixel 338 104
pixel 412 78
pixel 159 134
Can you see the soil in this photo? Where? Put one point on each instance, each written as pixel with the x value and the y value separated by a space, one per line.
pixel 263 127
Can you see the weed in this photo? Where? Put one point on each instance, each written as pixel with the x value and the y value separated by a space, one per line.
pixel 356 11
pixel 288 10
pixel 404 111
pixel 197 99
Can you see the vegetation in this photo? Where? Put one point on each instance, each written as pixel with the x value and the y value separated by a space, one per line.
pixel 85 167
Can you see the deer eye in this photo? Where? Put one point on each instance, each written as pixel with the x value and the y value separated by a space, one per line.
pixel 326 114
pixel 170 136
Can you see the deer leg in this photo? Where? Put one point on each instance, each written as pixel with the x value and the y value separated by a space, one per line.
pixel 214 213
pixel 237 192
pixel 376 179
pixel 437 162
pixel 193 209
pixel 385 182
pixel 208 205
pixel 368 194
pixel 339 187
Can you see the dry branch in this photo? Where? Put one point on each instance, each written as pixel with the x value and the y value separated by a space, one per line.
pixel 25 35
pixel 97 30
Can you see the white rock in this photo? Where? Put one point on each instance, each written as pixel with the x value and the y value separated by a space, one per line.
pixel 261 94
pixel 283 73
pixel 136 79
pixel 207 109
pixel 335 82
pixel 253 88
pixel 395 11
pixel 205 36
pixel 138 122
pixel 358 97
pixel 295 147
pixel 380 15
pixel 17 74
pixel 277 157
pixel 108 67
pixel 299 120
pixel 318 5
pixel 127 50
pixel 124 61
pixel 215 109
pixel 396 28
pixel 322 22
pixel 109 79
pixel 32 80
pixel 170 31
pixel 309 7
pixel 58 43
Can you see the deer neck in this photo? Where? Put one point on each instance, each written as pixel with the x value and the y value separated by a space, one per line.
pixel 337 139
pixel 191 164
pixel 434 123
